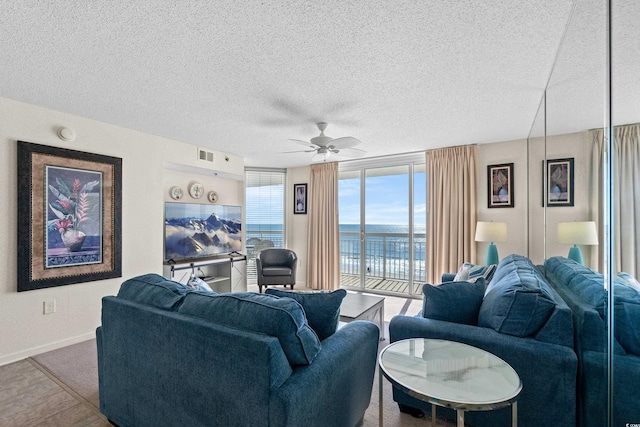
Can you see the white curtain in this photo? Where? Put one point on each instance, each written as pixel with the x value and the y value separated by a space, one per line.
pixel 323 239
pixel 626 197
pixel 451 219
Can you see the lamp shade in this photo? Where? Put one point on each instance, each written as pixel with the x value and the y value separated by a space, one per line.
pixel 491 231
pixel 577 233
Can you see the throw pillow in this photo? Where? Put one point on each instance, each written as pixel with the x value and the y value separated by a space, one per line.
pixel 198 284
pixel 321 307
pixel 519 304
pixel 457 302
pixel 282 318
pixel 470 273
pixel 154 290
pixel 628 280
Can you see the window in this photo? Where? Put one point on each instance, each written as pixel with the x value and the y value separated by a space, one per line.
pixel 382 208
pixel 264 213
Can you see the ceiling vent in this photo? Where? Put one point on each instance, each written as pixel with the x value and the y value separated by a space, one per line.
pixel 205 156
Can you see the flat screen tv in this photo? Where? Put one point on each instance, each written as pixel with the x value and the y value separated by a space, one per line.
pixel 193 230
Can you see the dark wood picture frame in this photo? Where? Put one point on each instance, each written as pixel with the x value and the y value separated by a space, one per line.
pixel 69 216
pixel 559 181
pixel 300 199
pixel 500 189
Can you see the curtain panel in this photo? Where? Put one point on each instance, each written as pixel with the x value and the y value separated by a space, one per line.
pixel 451 217
pixel 626 196
pixel 323 236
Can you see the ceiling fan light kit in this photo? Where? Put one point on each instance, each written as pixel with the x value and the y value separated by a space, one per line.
pixel 324 146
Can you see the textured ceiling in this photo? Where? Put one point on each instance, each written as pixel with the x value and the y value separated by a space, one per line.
pixel 245 76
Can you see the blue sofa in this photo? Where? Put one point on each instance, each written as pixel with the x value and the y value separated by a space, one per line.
pixel 172 356
pixel 583 290
pixel 519 318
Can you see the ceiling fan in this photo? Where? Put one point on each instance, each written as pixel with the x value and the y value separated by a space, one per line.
pixel 324 146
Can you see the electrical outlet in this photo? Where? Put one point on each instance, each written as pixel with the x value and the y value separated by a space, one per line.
pixel 49 306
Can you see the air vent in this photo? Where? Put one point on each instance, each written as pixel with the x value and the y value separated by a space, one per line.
pixel 205 156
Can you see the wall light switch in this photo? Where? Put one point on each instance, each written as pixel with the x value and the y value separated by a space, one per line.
pixel 50 306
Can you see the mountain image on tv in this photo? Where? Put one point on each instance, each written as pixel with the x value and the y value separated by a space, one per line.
pixel 198 230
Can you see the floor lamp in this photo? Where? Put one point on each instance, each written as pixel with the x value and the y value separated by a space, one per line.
pixel 491 232
pixel 577 233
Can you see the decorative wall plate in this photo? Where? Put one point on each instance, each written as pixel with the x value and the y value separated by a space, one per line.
pixel 212 196
pixel 196 190
pixel 176 192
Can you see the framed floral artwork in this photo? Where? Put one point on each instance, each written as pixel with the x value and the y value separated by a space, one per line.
pixel 559 183
pixel 69 216
pixel 500 186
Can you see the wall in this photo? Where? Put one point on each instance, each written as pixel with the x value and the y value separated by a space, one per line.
pixel 494 154
pixel 147 175
pixel 297 225
pixel 527 221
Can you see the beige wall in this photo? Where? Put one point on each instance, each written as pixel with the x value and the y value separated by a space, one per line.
pixel 297 225
pixel 494 154
pixel 149 169
pixel 532 230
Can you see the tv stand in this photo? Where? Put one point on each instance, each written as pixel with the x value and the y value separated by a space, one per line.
pixel 225 273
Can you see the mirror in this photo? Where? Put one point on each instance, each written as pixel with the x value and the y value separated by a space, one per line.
pixel 570 152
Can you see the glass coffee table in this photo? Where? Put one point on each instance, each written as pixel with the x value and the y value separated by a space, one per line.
pixel 450 374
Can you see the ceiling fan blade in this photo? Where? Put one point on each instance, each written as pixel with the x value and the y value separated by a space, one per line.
pixel 349 152
pixel 345 142
pixel 305 143
pixel 297 151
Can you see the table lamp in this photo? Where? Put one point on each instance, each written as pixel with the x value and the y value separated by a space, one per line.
pixel 491 232
pixel 577 233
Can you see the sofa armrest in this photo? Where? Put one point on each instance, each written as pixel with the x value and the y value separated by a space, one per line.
pixel 547 371
pixel 448 277
pixel 339 381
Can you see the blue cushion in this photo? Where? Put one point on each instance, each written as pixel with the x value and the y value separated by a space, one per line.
pixel 626 329
pixel 470 273
pixel 282 318
pixel 321 307
pixel 518 304
pixel 457 302
pixel 154 290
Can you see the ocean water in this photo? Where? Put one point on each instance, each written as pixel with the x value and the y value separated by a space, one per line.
pixel 386 249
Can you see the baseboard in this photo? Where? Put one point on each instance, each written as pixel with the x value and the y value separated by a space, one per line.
pixel 14 357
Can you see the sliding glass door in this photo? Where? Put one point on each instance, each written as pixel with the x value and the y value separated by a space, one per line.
pixel 382 226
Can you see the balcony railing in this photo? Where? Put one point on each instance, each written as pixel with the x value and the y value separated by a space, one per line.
pixel 386 255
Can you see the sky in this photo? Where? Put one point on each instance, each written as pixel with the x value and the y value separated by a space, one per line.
pixel 386 200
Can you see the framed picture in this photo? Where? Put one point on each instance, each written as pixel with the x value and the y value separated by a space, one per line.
pixel 300 198
pixel 500 186
pixel 69 216
pixel 559 191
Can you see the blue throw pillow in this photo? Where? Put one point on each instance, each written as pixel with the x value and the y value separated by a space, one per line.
pixel 154 290
pixel 519 304
pixel 457 302
pixel 282 318
pixel 321 307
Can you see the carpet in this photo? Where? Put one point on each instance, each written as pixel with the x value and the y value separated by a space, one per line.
pixel 76 366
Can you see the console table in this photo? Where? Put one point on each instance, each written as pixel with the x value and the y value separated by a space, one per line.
pixel 222 273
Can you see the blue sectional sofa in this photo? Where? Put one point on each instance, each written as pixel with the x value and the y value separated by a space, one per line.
pixel 172 356
pixel 519 318
pixel 583 290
